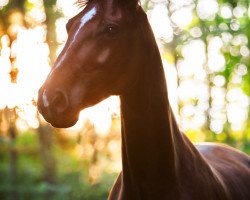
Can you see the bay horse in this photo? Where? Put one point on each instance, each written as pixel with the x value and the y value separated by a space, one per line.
pixel 111 50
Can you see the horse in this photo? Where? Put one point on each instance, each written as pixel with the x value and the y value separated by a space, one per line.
pixel 111 50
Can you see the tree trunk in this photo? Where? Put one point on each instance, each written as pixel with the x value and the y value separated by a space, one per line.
pixel 45 135
pixel 13 154
pixel 51 17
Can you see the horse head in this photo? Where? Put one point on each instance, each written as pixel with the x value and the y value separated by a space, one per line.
pixel 100 58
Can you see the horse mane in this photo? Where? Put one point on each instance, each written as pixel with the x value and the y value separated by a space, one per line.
pixel 83 3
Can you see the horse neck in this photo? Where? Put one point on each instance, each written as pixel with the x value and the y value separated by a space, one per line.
pixel 150 136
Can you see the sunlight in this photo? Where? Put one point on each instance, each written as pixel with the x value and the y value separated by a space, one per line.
pixel 36 15
pixel 237 109
pixel 31 59
pixel 216 60
pixel 207 9
pixel 158 18
pixel 226 11
pixel 31 121
pixel 61 33
pixel 31 44
pixel 183 17
pixel 239 11
pixel 3 3
pixel 196 32
pixel 172 85
pixel 68 7
pixel 99 115
pixel 219 80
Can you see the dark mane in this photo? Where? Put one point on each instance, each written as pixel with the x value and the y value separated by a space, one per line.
pixel 82 3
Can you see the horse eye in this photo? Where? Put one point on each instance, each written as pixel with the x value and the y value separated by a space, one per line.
pixel 112 29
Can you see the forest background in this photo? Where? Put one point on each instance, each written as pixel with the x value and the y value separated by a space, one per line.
pixel 205 50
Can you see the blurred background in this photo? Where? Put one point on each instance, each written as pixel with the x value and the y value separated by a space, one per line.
pixel 205 51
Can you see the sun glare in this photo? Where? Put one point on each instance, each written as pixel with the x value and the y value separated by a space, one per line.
pixel 31 60
pixel 3 3
pixel 159 18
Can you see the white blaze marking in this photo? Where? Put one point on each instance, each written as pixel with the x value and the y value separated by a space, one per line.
pixel 61 59
pixel 45 99
pixel 86 18
pixel 103 56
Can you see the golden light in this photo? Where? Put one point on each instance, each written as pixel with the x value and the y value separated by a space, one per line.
pixel 100 116
pixel 30 54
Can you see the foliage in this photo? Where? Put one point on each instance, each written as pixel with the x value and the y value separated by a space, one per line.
pixel 72 177
pixel 226 23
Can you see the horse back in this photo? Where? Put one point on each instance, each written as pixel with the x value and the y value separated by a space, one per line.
pixel 231 166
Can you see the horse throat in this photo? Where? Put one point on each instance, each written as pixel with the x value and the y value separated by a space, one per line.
pixel 148 149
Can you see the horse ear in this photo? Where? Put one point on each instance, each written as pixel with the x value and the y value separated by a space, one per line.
pixel 131 4
pixel 134 4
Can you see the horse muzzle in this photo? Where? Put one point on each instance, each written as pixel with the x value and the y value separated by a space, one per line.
pixel 54 107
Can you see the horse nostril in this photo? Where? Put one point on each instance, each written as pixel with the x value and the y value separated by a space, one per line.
pixel 60 101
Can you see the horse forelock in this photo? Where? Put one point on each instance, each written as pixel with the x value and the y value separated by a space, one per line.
pixel 83 3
